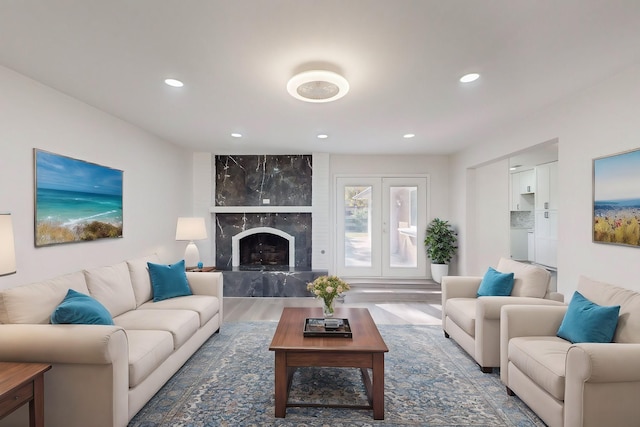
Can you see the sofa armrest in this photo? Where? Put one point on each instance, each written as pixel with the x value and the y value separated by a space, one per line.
pixel 603 363
pixel 90 369
pixel 555 296
pixel 207 283
pixel 70 344
pixel 602 384
pixel 526 321
pixel 491 307
pixel 460 286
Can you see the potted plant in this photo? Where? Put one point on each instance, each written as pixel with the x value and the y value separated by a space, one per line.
pixel 440 243
pixel 328 288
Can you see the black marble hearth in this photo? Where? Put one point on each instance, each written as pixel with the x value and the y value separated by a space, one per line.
pixel 265 281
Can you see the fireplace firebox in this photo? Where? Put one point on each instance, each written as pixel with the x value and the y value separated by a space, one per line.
pixel 264 249
pixel 263 246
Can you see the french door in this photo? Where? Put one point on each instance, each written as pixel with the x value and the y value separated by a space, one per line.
pixel 380 223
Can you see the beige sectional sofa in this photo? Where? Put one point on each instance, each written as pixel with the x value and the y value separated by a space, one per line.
pixel 103 375
pixel 574 385
pixel 474 322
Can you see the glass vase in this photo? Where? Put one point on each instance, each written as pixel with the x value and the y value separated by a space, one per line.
pixel 327 308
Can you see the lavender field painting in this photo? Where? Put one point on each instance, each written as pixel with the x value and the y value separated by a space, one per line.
pixel 75 201
pixel 616 199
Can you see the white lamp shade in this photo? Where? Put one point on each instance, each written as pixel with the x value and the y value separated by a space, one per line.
pixel 7 247
pixel 191 229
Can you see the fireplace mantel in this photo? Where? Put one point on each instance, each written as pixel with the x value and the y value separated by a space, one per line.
pixel 261 209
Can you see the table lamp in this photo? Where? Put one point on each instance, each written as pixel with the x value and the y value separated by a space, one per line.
pixel 190 229
pixel 7 247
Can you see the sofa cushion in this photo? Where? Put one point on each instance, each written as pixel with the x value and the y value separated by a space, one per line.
pixel 205 305
pixel 586 321
pixel 528 280
pixel 182 324
pixel 495 284
pixel 628 330
pixel 168 281
pixel 17 303
pixel 147 351
pixel 543 360
pixel 80 309
pixel 463 313
pixel 111 285
pixel 140 280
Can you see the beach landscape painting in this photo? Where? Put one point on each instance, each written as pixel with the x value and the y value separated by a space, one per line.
pixel 616 199
pixel 75 200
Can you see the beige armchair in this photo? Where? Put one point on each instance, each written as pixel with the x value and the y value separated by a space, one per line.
pixel 574 385
pixel 474 322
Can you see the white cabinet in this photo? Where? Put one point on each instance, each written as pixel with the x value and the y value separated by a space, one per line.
pixel 522 200
pixel 519 244
pixel 547 186
pixel 527 181
pixel 546 237
pixel 546 214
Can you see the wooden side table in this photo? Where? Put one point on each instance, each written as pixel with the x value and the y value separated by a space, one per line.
pixel 203 269
pixel 21 383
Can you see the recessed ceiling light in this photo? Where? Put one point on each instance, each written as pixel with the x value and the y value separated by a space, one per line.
pixel 323 136
pixel 408 135
pixel 318 86
pixel 174 82
pixel 468 78
pixel 236 135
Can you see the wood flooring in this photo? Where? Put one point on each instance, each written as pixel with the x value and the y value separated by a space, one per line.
pixel 385 308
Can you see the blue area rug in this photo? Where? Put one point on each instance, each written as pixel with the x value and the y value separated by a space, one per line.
pixel 429 381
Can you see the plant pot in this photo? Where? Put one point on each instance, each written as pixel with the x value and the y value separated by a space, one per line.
pixel 439 270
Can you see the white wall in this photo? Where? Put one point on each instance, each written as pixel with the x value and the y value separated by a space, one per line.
pixel 598 121
pixel 489 229
pixel 157 178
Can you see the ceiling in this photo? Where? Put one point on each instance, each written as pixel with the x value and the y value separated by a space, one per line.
pixel 402 58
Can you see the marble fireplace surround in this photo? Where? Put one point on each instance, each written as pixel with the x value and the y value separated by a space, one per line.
pixel 264 194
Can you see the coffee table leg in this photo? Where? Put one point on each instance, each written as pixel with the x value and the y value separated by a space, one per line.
pixel 281 384
pixel 378 386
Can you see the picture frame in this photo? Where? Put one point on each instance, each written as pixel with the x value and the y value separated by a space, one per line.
pixel 75 200
pixel 616 199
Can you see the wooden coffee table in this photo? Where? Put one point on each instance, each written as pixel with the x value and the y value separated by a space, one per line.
pixel 293 350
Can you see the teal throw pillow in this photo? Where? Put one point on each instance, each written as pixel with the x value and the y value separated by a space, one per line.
pixel 168 281
pixel 80 309
pixel 496 284
pixel 586 321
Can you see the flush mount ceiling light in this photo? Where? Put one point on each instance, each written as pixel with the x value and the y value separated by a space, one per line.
pixel 318 86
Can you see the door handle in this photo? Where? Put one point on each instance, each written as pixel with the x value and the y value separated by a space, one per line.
pixel 546 205
pixel 546 214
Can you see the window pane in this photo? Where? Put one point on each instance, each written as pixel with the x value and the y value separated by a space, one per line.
pixel 402 230
pixel 357 226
